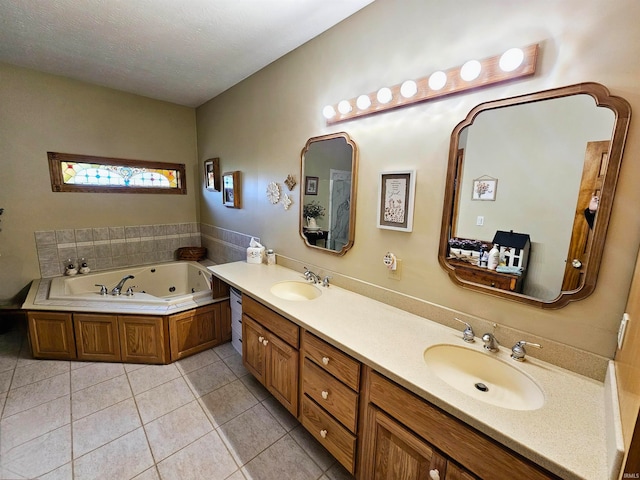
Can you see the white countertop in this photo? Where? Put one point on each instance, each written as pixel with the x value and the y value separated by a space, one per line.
pixel 566 436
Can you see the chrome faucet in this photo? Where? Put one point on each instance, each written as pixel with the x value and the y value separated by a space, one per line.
pixel 118 288
pixel 490 342
pixel 518 352
pixel 468 334
pixel 312 277
pixel 325 281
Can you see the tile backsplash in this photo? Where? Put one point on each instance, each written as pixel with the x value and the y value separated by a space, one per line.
pixel 111 247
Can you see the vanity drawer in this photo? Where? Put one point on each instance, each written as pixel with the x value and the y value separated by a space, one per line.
pixel 331 394
pixel 333 436
pixel 338 364
pixel 272 321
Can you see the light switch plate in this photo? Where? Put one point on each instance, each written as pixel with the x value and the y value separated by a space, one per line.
pixel 622 329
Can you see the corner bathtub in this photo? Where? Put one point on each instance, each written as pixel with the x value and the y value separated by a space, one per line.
pixel 164 284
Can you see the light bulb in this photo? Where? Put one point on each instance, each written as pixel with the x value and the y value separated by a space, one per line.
pixel 363 102
pixel 511 59
pixel 470 70
pixel 344 107
pixel 437 80
pixel 408 89
pixel 384 95
pixel 328 112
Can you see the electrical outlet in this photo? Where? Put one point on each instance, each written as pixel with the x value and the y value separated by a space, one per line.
pixel 622 329
pixel 397 273
pixel 479 220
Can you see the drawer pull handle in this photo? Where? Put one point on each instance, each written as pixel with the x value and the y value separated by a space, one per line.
pixel 323 433
pixel 264 342
pixel 325 360
pixel 434 474
pixel 260 339
pixel 325 394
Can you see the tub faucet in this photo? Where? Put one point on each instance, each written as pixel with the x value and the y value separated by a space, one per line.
pixel 118 288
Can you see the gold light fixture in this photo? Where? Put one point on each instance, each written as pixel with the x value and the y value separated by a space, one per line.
pixel 514 63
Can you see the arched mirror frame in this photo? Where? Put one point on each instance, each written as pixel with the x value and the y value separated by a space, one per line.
pixel 622 111
pixel 354 187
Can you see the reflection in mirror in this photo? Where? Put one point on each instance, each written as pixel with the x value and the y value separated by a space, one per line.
pixel 329 180
pixel 540 168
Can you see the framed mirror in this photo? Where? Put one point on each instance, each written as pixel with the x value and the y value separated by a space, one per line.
pixel 535 174
pixel 329 177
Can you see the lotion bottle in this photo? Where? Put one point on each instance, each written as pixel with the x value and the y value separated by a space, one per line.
pixel 494 257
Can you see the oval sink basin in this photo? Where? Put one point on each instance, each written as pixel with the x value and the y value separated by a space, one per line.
pixel 295 291
pixel 484 377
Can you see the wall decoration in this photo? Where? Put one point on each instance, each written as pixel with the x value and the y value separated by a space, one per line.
pixel 273 192
pixel 286 201
pixel 396 192
pixel 231 189
pixel 484 188
pixel 212 174
pixel 290 182
pixel 310 185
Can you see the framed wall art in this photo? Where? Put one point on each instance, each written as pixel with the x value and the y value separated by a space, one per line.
pixel 396 193
pixel 484 188
pixel 310 185
pixel 212 174
pixel 231 189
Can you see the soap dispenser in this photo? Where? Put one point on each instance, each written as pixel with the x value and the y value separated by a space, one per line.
pixel 494 257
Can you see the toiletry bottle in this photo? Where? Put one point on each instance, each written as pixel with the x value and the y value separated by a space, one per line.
pixel 494 257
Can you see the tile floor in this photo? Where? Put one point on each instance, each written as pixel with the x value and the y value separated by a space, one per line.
pixel 204 417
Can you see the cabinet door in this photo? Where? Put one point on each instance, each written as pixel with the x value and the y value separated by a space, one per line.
pixel 225 321
pixel 51 335
pixel 218 288
pixel 282 372
pixel 194 331
pixel 454 472
pixel 396 453
pixel 253 350
pixel 143 339
pixel 97 337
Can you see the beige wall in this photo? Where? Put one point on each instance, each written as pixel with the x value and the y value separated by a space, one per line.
pixel 260 126
pixel 43 113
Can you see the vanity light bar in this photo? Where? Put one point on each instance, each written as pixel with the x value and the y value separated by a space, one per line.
pixel 514 63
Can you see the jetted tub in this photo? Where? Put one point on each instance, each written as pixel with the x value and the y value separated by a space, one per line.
pixel 160 284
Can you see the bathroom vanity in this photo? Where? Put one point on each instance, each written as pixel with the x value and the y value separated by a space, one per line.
pixel 354 372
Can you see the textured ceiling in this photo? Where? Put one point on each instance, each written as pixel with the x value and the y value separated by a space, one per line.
pixel 180 51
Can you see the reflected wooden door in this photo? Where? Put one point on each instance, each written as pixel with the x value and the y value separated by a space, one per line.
pixel 595 166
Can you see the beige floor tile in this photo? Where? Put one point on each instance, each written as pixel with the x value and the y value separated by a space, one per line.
pixel 312 447
pixel 288 421
pixel 199 360
pixel 100 396
pixel 255 387
pixel 207 379
pixel 34 394
pixel 37 371
pixel 205 458
pixel 234 362
pixel 93 374
pixel 8 361
pixel 123 458
pixel 250 433
pixel 283 459
pixel 238 475
pixel 162 399
pixel 177 429
pixel 150 376
pixel 64 472
pixel 151 474
pixel 40 455
pixel 104 426
pixel 227 402
pixel 29 424
pixel 225 350
pixel 338 472
pixel 5 380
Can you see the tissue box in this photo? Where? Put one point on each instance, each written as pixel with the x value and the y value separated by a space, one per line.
pixel 255 254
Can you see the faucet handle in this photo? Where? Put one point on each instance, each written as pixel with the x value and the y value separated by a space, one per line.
pixel 467 335
pixel 130 290
pixel 103 289
pixel 518 351
pixel 325 281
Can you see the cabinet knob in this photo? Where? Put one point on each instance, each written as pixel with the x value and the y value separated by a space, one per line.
pixel 434 474
pixel 325 360
pixel 260 339
pixel 264 342
pixel 323 433
pixel 325 394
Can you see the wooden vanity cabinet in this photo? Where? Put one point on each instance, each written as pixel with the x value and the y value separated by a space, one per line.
pixel 51 335
pixel 144 339
pixel 330 398
pixel 97 337
pixel 404 436
pixel 270 345
pixel 196 330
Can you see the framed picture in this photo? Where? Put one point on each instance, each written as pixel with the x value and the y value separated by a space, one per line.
pixel 484 188
pixel 231 189
pixel 212 174
pixel 310 185
pixel 396 192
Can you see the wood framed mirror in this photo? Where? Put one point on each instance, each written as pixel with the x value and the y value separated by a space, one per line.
pixel 557 156
pixel 329 177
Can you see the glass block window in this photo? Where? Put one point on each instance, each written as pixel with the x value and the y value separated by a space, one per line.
pixel 80 173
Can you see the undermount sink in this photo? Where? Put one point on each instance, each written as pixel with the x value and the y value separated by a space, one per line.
pixel 295 290
pixel 484 377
